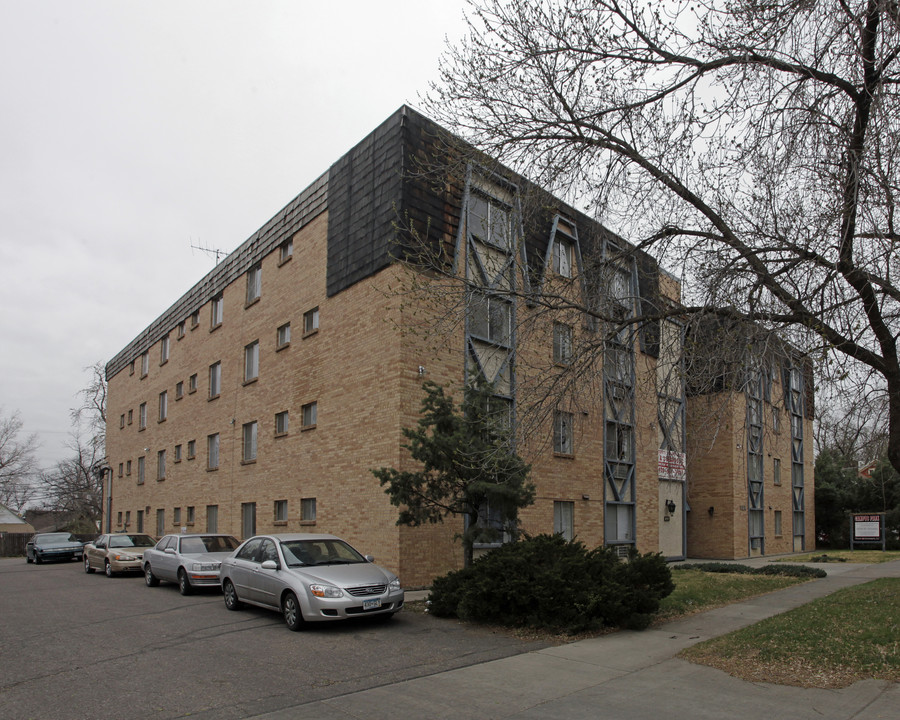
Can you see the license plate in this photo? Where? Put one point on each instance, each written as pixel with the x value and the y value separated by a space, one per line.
pixel 372 604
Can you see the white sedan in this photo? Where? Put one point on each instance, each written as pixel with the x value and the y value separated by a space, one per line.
pixel 191 560
pixel 308 578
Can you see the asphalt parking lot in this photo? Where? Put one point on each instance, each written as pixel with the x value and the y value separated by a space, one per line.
pixel 85 646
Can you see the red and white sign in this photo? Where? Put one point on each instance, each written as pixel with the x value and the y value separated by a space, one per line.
pixel 672 465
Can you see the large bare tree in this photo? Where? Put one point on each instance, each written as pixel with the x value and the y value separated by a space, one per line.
pixel 754 148
pixel 17 462
pixel 74 485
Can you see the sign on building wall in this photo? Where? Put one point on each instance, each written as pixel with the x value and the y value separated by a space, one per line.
pixel 672 465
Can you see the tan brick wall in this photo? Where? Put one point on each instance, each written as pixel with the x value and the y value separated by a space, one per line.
pixel 717 477
pixel 362 369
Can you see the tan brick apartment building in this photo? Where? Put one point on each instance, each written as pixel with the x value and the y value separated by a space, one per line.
pixel 262 399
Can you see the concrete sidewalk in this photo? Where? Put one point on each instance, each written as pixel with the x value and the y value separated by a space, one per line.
pixel 627 676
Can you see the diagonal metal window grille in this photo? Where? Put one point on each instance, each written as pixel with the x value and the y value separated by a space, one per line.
pixel 756 529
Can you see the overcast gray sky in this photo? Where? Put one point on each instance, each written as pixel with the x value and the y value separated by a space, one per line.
pixel 132 131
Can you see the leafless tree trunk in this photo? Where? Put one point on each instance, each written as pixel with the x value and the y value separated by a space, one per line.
pixel 17 463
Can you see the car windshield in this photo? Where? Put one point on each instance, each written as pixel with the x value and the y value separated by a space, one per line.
pixel 121 541
pixel 319 552
pixel 208 544
pixel 49 538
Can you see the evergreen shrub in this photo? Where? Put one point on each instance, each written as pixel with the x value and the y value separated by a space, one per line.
pixel 547 582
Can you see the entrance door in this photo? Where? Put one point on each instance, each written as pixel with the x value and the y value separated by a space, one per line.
pixel 671 519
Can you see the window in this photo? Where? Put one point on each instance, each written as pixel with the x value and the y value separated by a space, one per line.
pixel 163 405
pixel 564 519
pixel 778 522
pixel 177 453
pixel 127 467
pixel 488 220
pixel 130 416
pixel 161 465
pixel 179 330
pixel 122 421
pixel 190 515
pixel 119 518
pixel 281 513
pixel 562 433
pixel 142 416
pixel 776 419
pixel 619 442
pixel 776 471
pixel 311 321
pixel 195 319
pixel 562 343
pixel 212 518
pixel 215 380
pixel 490 318
pixel 164 350
pixel 179 390
pixel 285 252
pixel 310 412
pixel 217 307
pixel 212 451
pixel 281 423
pixel 160 522
pixel 248 519
pixel 283 336
pixel 562 258
pixel 131 368
pixel 176 516
pixel 192 383
pixel 121 469
pixel 308 510
pixel 127 518
pixel 254 284
pixel 249 445
pixel 251 361
pixel 192 449
pixel 145 364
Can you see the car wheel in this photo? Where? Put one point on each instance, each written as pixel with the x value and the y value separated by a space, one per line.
pixel 27 559
pixel 87 565
pixel 290 608
pixel 107 568
pixel 38 559
pixel 230 595
pixel 184 585
pixel 149 577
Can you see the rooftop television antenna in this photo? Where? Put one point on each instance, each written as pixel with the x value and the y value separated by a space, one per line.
pixel 212 252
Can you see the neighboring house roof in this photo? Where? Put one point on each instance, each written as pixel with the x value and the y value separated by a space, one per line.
pixel 10 522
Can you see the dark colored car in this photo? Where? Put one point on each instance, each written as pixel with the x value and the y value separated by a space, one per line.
pixel 53 546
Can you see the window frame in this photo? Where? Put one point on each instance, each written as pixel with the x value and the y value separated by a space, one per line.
pixel 309 411
pixel 254 285
pixel 311 322
pixel 249 442
pixel 212 451
pixel 251 362
pixel 563 433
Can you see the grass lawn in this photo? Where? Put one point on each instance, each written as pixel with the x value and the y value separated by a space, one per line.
pixel 696 591
pixel 853 556
pixel 832 642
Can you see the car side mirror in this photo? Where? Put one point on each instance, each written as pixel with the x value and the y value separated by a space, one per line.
pixel 370 558
pixel 169 551
pixel 269 565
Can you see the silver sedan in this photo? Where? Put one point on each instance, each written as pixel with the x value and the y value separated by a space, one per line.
pixel 191 560
pixel 308 578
